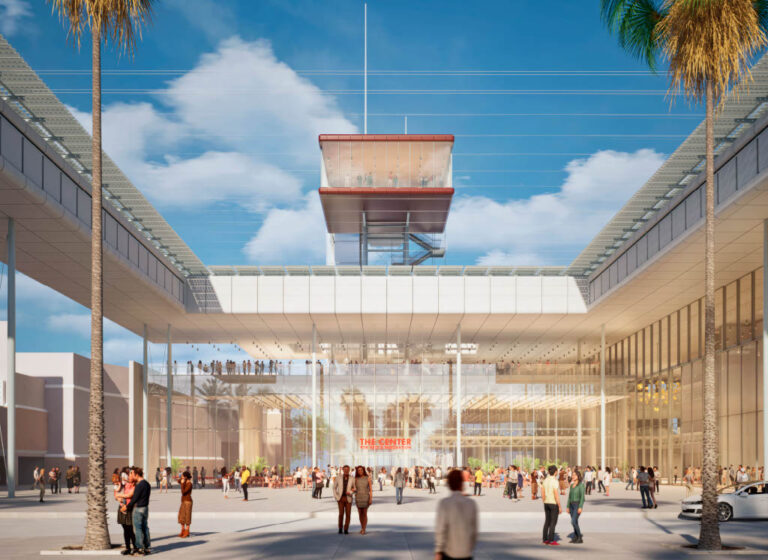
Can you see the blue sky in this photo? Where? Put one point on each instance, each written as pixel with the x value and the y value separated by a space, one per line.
pixel 215 119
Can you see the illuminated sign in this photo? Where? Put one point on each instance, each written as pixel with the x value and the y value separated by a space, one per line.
pixel 384 444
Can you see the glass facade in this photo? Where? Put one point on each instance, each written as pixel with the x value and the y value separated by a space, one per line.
pixel 663 367
pixel 392 410
pixel 509 413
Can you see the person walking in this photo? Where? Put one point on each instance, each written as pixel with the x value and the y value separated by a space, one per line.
pixel 164 481
pixel 381 477
pixel 245 474
pixel 224 481
pixel 652 487
pixel 478 491
pixel 550 495
pixel 76 479
pixel 158 477
pixel 363 496
pixel 52 480
pixel 512 482
pixel 185 509
pixel 600 478
pixel 70 478
pixel 642 482
pixel 399 483
pixel 195 478
pixel 631 474
pixel 140 499
pixel 41 482
pixel 123 491
pixel 607 479
pixel 456 523
pixel 202 477
pixel 576 504
pixel 343 488
pixel 534 484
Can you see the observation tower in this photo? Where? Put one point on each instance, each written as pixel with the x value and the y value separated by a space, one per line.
pixel 385 197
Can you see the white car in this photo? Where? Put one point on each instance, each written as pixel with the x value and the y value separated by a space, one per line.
pixel 747 500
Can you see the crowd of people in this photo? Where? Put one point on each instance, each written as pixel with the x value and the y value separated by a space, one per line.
pixel 52 478
pixel 456 523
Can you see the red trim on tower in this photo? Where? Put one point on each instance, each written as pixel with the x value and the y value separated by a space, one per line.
pixel 373 191
pixel 385 138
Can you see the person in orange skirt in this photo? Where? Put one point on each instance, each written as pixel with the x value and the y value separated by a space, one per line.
pixel 185 509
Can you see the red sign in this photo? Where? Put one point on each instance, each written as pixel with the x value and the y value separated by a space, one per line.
pixel 385 444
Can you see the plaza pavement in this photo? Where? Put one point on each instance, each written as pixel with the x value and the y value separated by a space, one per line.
pixel 289 524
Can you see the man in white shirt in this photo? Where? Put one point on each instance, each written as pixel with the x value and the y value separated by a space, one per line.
pixel 456 525
pixel 589 476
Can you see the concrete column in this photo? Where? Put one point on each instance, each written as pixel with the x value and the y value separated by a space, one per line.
pixel 602 396
pixel 145 407
pixel 169 403
pixel 314 396
pixel 578 404
pixel 11 371
pixel 131 412
pixel 459 461
pixel 765 345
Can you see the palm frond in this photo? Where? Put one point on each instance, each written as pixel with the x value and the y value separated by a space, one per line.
pixel 761 8
pixel 117 21
pixel 635 22
pixel 710 41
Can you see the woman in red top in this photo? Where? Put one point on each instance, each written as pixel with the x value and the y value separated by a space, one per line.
pixel 123 495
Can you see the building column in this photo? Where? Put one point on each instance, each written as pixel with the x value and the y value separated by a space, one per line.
pixel 459 461
pixel 578 404
pixel 131 412
pixel 602 396
pixel 314 396
pixel 145 407
pixel 11 371
pixel 765 345
pixel 169 403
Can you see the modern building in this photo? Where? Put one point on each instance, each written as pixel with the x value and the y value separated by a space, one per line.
pixel 383 357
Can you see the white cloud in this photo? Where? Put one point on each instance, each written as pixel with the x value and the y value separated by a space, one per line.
pixel 290 236
pixel 547 228
pixel 232 111
pixel 12 12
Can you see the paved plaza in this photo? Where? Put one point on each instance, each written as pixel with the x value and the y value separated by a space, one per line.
pixel 288 523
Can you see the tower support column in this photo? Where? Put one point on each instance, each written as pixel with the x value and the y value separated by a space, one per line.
pixel 169 403
pixel 10 397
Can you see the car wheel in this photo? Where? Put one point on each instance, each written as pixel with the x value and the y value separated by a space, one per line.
pixel 724 512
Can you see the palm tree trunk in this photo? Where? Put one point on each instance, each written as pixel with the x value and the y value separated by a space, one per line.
pixel 709 537
pixel 96 530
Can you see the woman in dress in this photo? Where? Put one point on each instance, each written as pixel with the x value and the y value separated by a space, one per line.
pixel 123 490
pixel 164 481
pixel 363 496
pixel 185 509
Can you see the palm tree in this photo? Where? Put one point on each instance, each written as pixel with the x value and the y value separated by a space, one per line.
pixel 708 44
pixel 115 21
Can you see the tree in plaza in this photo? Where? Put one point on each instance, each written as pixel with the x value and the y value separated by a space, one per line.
pixel 708 44
pixel 115 21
